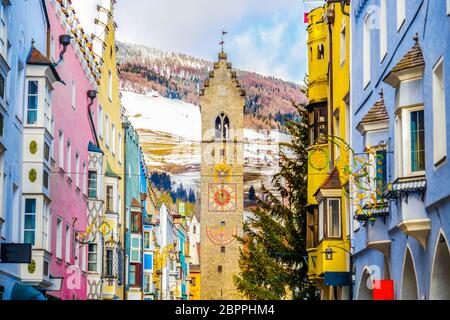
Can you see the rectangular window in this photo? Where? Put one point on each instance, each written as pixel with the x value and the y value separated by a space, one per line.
pixel 32 102
pixel 77 169
pixel 46 152
pixel 147 283
pixel 20 88
pixel 30 221
pixel 59 238
pixel 110 85
pixel 113 138
pixel 3 32
pixel 135 270
pixel 52 47
pixel 381 174
pixel 61 149
pixel 83 258
pixel 84 177
pixel 107 130
pixel 222 249
pixel 439 114
pixel 367 50
pixel 46 218
pixel 417 141
pixel 334 218
pixel 147 240
pixel 318 124
pixel 321 221
pixel 45 179
pixel 135 222
pixel 135 255
pixel 2 87
pixel 68 243
pixel 119 148
pixel 383 29
pixel 92 257
pixel 109 260
pixel 401 13
pixel 92 185
pixel 69 159
pixel 109 199
pixel 74 94
pixel 343 44
pixel 100 121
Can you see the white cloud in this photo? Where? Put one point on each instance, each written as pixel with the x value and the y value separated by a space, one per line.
pixel 263 35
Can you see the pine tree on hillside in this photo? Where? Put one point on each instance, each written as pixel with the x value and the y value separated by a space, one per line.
pixel 273 259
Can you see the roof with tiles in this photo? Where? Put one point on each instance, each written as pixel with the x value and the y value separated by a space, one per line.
pixel 377 113
pixel 414 58
pixel 37 58
pixel 332 182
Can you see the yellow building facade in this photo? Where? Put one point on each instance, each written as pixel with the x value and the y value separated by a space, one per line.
pixel 111 139
pixel 328 221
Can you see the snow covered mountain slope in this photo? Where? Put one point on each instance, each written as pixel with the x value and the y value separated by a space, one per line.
pixel 170 135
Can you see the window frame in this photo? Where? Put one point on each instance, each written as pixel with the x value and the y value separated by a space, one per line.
pixel 96 184
pixel 59 238
pixel 401 13
pixel 329 218
pixel 35 95
pixel 315 125
pixel 367 54
pixel 30 214
pixel 439 114
pixel 91 262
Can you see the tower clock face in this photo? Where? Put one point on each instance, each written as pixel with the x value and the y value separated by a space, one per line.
pixel 222 197
pixel 220 235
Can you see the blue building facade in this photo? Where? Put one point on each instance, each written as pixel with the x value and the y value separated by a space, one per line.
pixel 400 75
pixel 134 215
pixel 17 35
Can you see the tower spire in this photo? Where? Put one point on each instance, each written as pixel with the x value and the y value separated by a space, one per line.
pixel 222 43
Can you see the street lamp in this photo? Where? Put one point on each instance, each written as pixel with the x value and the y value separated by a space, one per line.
pixel 328 254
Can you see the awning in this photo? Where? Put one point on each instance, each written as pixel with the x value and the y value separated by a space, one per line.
pixel 22 292
pixel 338 279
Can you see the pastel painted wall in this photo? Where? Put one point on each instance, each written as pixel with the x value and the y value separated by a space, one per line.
pixel 70 111
pixel 430 20
pixel 21 32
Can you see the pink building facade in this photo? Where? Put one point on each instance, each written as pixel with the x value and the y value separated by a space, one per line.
pixel 73 133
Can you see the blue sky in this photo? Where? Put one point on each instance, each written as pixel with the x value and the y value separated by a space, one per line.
pixel 265 36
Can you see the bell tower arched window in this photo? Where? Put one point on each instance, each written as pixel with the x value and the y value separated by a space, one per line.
pixel 222 127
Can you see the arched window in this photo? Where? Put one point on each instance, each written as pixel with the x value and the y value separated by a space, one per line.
pixel 222 127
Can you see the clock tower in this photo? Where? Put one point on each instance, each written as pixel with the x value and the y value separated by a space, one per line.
pixel 222 104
